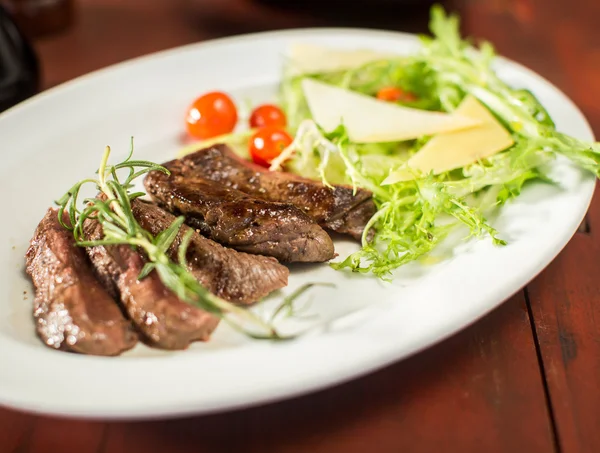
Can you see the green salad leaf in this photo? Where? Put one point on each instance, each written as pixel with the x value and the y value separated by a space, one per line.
pixel 460 68
pixel 414 216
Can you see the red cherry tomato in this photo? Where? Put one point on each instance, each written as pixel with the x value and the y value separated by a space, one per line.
pixel 211 115
pixel 393 94
pixel 267 115
pixel 268 143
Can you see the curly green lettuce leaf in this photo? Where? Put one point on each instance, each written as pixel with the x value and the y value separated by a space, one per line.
pixel 509 171
pixel 459 69
pixel 413 216
pixel 410 224
pixel 409 219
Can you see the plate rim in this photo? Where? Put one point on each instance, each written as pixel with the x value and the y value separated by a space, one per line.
pixel 193 409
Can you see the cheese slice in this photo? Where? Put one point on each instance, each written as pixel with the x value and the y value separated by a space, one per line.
pixel 452 150
pixel 311 59
pixel 369 120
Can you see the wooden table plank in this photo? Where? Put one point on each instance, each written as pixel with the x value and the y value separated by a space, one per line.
pixel 565 301
pixel 111 31
pixel 55 435
pixel 15 430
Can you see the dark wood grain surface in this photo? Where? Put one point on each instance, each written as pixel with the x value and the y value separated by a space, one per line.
pixel 523 379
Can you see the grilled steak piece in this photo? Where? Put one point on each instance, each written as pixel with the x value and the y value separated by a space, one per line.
pixel 337 209
pixel 160 316
pixel 72 310
pixel 241 221
pixel 235 276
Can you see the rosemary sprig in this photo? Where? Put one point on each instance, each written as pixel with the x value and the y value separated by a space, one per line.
pixel 113 210
pixel 287 307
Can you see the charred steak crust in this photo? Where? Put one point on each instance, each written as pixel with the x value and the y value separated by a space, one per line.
pixel 72 311
pixel 338 209
pixel 159 315
pixel 235 276
pixel 241 221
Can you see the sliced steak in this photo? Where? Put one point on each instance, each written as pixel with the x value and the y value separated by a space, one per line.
pixel 72 310
pixel 338 209
pixel 160 316
pixel 238 220
pixel 235 276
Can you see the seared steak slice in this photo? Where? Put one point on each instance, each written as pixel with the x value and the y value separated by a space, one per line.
pixel 235 276
pixel 72 310
pixel 160 316
pixel 337 209
pixel 241 221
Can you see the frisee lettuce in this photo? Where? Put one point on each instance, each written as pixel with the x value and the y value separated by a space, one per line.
pixel 461 69
pixel 414 216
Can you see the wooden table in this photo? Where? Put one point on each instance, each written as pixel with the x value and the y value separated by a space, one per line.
pixel 526 378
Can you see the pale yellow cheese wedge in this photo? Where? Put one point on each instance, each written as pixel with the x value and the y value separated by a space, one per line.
pixel 451 150
pixel 369 120
pixel 312 59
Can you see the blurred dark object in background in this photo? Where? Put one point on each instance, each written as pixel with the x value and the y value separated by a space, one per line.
pixel 41 17
pixel 19 66
pixel 348 5
pixel 229 17
pixel 391 14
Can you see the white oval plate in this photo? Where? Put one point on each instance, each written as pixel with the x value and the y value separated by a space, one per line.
pixel 56 138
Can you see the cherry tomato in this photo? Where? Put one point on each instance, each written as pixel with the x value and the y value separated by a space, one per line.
pixel 393 94
pixel 267 115
pixel 268 143
pixel 211 115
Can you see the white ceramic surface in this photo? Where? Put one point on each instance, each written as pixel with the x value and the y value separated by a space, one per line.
pixel 57 138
